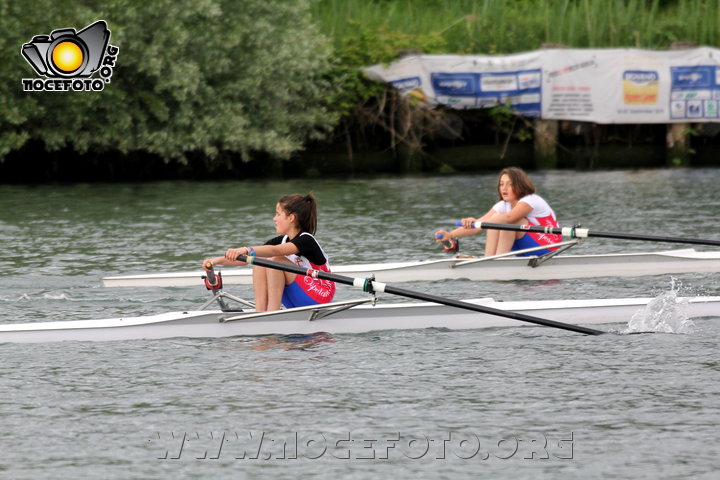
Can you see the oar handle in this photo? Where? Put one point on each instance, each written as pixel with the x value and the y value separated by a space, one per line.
pixel 450 245
pixel 213 281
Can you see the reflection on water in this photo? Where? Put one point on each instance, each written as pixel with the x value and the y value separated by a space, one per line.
pixel 292 342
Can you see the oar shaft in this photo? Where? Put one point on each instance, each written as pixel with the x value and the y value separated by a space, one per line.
pixel 369 285
pixel 654 238
pixel 492 311
pixel 584 233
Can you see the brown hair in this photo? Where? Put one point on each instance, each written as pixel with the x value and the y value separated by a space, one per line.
pixel 304 207
pixel 521 183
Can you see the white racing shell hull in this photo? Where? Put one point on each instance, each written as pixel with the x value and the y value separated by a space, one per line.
pixel 510 268
pixel 358 319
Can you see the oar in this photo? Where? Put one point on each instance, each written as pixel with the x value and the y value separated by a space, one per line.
pixel 370 285
pixel 574 232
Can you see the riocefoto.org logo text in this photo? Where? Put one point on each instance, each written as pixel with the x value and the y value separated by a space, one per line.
pixel 67 59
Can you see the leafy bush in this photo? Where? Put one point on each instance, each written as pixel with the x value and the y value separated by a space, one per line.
pixel 192 78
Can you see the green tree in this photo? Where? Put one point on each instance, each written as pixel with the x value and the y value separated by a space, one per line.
pixel 193 77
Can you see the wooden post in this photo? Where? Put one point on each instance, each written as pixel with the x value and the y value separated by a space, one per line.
pixel 677 139
pixel 677 145
pixel 546 135
pixel 407 152
pixel 545 139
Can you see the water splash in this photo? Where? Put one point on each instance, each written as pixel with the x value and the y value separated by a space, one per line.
pixel 56 296
pixel 666 313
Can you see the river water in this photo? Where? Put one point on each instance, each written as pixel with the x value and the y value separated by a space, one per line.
pixel 522 402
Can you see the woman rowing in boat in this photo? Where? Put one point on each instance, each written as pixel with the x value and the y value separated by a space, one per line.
pixel 519 204
pixel 295 222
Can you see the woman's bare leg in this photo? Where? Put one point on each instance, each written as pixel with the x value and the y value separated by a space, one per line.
pixel 275 287
pixel 505 242
pixel 491 242
pixel 269 284
pixel 501 241
pixel 260 288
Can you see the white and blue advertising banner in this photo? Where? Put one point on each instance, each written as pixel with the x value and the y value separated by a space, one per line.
pixel 601 86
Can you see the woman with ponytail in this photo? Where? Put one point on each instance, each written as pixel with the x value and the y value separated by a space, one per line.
pixel 295 222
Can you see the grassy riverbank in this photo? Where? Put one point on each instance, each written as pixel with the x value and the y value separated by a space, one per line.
pixel 497 26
